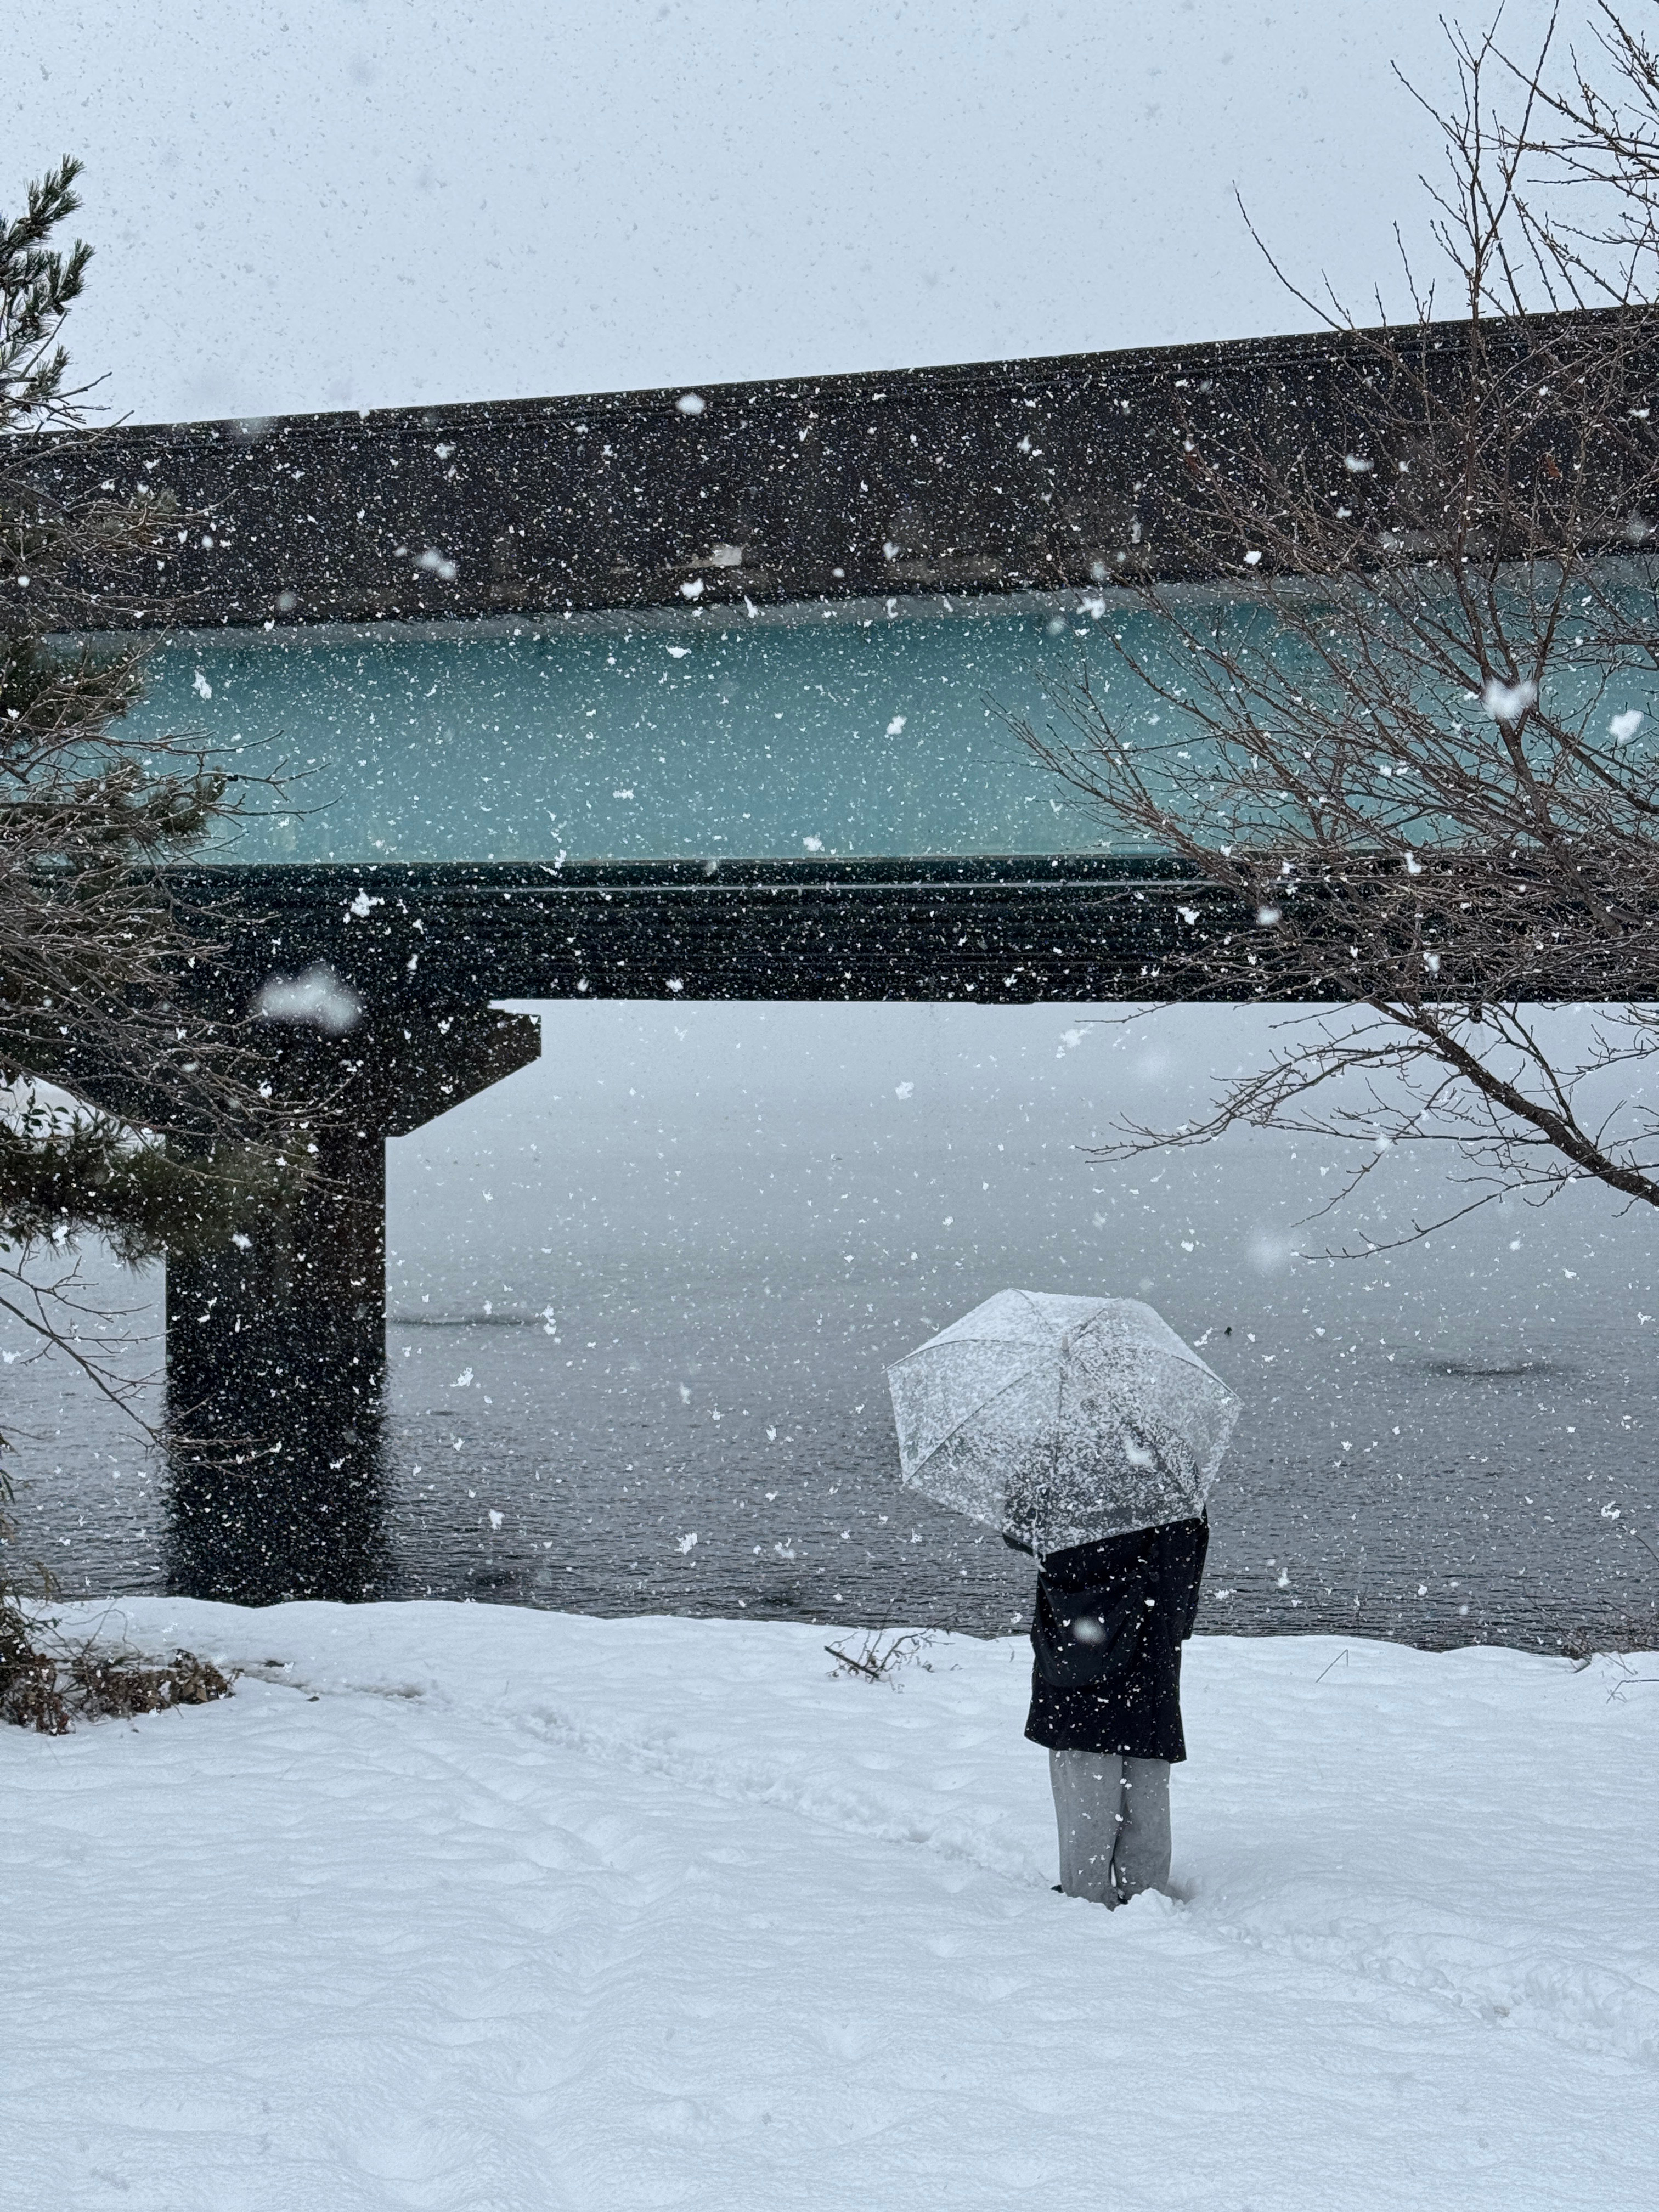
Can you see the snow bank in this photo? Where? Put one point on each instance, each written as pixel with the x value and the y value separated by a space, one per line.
pixel 480 1910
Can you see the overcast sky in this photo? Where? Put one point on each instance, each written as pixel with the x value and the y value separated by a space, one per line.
pixel 361 203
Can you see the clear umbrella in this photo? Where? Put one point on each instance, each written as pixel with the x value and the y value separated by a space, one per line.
pixel 1062 1419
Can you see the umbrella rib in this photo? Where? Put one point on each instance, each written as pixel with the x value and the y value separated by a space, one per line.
pixel 973 1411
pixel 1060 1407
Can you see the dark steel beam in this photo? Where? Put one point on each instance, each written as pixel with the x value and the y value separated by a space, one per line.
pixel 996 931
pixel 987 477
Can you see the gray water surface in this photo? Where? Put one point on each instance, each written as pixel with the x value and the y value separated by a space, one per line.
pixel 644 1293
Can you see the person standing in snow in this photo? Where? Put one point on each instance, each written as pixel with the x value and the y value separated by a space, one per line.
pixel 1089 1433
pixel 1106 1632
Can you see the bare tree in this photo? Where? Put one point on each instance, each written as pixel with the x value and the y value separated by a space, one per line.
pixel 1589 142
pixel 1403 750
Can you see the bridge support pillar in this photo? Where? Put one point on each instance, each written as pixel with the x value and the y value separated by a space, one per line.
pixel 276 1343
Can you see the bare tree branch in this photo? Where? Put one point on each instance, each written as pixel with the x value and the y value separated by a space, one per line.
pixel 1407 744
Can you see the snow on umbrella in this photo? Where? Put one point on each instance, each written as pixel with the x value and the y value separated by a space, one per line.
pixel 1061 1419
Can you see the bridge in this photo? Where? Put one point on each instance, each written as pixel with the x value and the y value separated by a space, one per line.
pixel 689 692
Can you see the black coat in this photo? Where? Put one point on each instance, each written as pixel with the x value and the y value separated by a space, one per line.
pixel 1107 1632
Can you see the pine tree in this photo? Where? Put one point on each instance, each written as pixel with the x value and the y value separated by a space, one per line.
pixel 129 1113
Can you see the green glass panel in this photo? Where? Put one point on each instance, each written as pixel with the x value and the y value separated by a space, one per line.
pixel 860 735
pixel 760 739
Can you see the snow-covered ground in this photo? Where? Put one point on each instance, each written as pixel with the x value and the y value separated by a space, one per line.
pixel 482 1908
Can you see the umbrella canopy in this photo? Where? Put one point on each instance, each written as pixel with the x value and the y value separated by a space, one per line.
pixel 1062 1419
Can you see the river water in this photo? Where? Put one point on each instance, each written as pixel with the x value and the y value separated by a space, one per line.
pixel 643 1294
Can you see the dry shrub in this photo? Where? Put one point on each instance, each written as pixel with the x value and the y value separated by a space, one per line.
pixel 1610 1639
pixel 29 1696
pixel 115 1684
pixel 879 1661
pixel 46 1682
pixel 47 1679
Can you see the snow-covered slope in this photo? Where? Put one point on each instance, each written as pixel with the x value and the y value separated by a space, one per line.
pixel 461 1907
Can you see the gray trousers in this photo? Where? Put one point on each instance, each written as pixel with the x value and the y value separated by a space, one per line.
pixel 1114 1818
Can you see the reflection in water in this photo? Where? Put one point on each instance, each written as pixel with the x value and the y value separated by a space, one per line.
pixel 1468 1370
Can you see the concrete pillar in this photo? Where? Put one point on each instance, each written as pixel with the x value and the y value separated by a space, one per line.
pixel 275 1341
